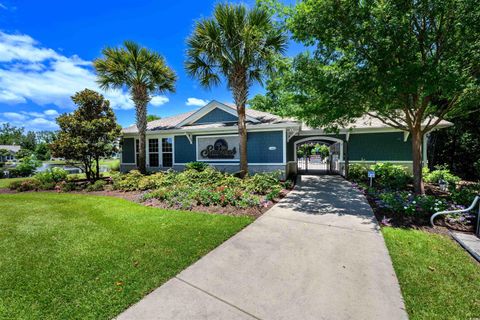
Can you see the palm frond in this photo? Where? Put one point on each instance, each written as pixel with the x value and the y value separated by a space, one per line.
pixel 234 41
pixel 133 66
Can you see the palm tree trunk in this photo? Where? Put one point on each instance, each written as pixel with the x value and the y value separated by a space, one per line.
pixel 242 132
pixel 240 94
pixel 141 98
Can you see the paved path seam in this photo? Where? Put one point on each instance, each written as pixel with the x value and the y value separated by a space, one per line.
pixel 218 298
pixel 321 224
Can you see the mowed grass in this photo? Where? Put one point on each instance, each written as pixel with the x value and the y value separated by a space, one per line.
pixel 438 279
pixel 4 183
pixel 66 256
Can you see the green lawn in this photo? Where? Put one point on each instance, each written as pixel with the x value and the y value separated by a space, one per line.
pixel 111 163
pixel 439 280
pixel 66 256
pixel 5 182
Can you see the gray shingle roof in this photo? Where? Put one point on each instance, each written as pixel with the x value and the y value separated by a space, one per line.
pixel 171 122
pixel 369 122
pixel 168 123
pixel 11 148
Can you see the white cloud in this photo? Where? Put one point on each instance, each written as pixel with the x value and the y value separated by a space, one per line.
pixel 158 101
pixel 41 124
pixel 196 102
pixel 3 6
pixel 11 98
pixel 31 120
pixel 13 116
pixel 51 113
pixel 42 75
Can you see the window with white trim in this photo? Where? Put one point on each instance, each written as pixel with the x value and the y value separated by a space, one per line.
pixel 167 152
pixel 153 157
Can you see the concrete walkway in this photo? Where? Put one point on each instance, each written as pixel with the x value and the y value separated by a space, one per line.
pixel 318 254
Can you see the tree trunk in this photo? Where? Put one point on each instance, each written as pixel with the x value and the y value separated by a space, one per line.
pixel 97 174
pixel 86 163
pixel 240 93
pixel 242 132
pixel 417 139
pixel 140 98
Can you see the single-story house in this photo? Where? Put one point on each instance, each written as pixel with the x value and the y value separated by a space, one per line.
pixel 10 155
pixel 210 134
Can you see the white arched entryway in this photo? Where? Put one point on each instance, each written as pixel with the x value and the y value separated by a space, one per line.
pixel 313 138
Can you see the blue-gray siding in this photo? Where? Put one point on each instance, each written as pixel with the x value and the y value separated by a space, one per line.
pixel 379 146
pixel 128 150
pixel 258 148
pixel 216 115
pixel 184 150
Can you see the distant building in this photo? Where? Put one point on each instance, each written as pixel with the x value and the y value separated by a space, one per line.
pixel 12 152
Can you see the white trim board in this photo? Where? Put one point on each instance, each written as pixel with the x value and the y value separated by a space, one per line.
pixel 210 107
pixel 334 140
pixel 378 161
pixel 235 164
pixel 220 130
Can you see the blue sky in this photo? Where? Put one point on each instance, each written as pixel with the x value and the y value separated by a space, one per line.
pixel 46 49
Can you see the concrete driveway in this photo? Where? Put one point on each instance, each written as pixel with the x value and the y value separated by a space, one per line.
pixel 318 254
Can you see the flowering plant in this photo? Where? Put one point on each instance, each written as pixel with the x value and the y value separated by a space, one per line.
pixel 409 204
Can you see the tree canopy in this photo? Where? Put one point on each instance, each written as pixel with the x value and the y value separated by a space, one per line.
pixel 88 133
pixel 152 117
pixel 409 64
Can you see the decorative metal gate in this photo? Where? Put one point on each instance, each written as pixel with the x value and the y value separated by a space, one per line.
pixel 313 164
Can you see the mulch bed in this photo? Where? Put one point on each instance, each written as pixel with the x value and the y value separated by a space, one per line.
pixel 398 220
pixel 136 196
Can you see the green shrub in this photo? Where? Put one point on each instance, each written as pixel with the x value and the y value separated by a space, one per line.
pixel 390 176
pixel 26 167
pixel 262 183
pixel 274 193
pixel 196 165
pixel 67 186
pixel 409 204
pixel 156 180
pixel 465 194
pixel 209 176
pixel 98 185
pixel 442 173
pixel 288 184
pixel 25 185
pixel 208 187
pixel 357 172
pixel 52 175
pixel 115 166
pixel 128 181
pixel 76 176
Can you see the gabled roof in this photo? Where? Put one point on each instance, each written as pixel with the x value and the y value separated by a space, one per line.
pixel 367 122
pixel 11 148
pixel 187 120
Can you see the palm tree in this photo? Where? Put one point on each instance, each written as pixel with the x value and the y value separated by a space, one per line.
pixel 239 45
pixel 144 73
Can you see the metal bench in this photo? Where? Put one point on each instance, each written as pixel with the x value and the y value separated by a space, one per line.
pixel 472 206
